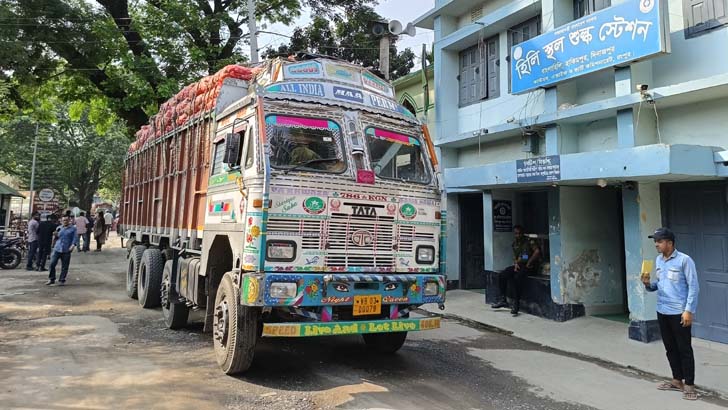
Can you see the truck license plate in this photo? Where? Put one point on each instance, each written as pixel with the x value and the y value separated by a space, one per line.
pixel 367 305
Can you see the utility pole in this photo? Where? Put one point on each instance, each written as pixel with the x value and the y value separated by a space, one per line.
pixel 253 32
pixel 384 55
pixel 32 173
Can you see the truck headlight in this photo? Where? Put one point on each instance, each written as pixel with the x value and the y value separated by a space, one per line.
pixel 425 254
pixel 431 289
pixel 283 290
pixel 284 251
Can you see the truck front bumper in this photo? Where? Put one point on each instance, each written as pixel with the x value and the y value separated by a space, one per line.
pixel 307 329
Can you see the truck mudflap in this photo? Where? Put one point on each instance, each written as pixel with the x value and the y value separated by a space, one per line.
pixel 308 329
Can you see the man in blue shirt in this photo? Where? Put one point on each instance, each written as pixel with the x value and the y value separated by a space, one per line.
pixel 677 299
pixel 65 240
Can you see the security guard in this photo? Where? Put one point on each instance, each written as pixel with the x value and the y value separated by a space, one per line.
pixel 526 258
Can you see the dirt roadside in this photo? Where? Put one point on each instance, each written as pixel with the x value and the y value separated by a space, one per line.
pixel 88 346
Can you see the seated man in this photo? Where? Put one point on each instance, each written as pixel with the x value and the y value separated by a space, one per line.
pixel 303 152
pixel 526 259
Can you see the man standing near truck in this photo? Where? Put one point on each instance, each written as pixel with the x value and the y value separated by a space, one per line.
pixel 66 238
pixel 677 299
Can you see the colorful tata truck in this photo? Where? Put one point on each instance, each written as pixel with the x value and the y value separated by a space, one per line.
pixel 295 198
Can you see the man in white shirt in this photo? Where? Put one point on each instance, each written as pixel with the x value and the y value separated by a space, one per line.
pixel 109 220
pixel 81 231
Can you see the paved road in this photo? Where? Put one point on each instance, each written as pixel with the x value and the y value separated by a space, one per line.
pixel 87 346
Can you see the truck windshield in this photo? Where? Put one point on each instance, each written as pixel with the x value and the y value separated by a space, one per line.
pixel 308 144
pixel 396 156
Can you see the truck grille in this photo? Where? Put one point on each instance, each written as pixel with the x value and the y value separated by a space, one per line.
pixel 374 252
pixel 310 231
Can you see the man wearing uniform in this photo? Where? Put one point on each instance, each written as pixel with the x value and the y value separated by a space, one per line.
pixel 677 299
pixel 526 258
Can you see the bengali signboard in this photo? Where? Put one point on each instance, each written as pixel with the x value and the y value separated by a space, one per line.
pixel 541 169
pixel 502 216
pixel 617 35
pixel 46 194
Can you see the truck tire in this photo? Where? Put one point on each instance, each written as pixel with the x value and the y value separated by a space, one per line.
pixel 175 312
pixel 132 270
pixel 235 329
pixel 385 342
pixel 150 278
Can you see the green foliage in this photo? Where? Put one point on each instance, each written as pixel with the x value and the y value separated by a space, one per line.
pixel 349 38
pixel 123 56
pixel 74 155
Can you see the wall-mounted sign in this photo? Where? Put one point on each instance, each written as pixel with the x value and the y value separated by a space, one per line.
pixel 617 35
pixel 311 89
pixel 502 216
pixel 307 69
pixel 541 169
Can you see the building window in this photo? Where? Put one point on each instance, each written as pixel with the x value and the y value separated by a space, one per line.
pixel 702 16
pixel 520 33
pixel 585 7
pixel 479 72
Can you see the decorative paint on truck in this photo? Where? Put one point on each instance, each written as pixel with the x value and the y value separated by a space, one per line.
pixel 317 210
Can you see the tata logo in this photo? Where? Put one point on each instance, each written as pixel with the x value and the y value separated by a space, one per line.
pixel 361 238
pixel 363 211
pixel 349 94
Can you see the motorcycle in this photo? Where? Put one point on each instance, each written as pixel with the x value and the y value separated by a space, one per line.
pixel 10 255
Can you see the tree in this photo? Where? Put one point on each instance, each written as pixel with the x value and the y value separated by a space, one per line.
pixel 73 154
pixel 349 38
pixel 135 55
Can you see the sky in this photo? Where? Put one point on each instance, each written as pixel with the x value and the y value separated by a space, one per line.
pixel 402 10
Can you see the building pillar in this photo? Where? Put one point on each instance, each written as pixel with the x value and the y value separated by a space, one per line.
pixel 452 245
pixel 555 245
pixel 446 70
pixel 488 257
pixel 642 215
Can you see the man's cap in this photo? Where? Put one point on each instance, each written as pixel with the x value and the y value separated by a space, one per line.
pixel 663 233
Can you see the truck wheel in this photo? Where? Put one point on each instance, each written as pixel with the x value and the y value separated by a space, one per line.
pixel 385 342
pixel 132 270
pixel 175 312
pixel 235 329
pixel 150 277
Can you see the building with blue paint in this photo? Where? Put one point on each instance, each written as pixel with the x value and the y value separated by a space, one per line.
pixel 609 119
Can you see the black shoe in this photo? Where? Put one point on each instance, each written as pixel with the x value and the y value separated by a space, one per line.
pixel 498 305
pixel 29 268
pixel 42 270
pixel 514 312
pixel 62 283
pixel 50 283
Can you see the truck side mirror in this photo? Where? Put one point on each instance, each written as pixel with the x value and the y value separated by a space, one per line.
pixel 232 150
